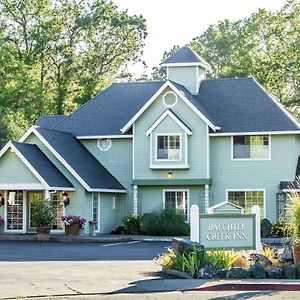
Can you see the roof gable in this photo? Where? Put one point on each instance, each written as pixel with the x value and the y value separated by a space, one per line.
pixel 93 176
pixel 181 94
pixel 169 113
pixel 41 167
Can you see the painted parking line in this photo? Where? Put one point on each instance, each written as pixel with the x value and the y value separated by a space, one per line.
pixel 121 243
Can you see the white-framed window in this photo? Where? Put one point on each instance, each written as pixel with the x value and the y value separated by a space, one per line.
pixel 114 202
pixel 96 210
pixel 104 144
pixel 251 147
pixel 170 99
pixel 168 147
pixel 177 200
pixel 247 198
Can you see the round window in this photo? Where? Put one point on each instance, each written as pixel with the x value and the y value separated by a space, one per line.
pixel 104 144
pixel 170 99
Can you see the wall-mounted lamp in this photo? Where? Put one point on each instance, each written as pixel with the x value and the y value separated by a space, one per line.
pixel 1 200
pixel 170 175
pixel 66 199
pixel 12 150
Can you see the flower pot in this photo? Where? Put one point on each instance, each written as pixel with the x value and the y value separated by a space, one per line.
pixel 296 253
pixel 72 229
pixel 43 234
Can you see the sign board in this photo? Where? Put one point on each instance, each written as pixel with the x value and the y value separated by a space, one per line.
pixel 227 231
pixel 230 230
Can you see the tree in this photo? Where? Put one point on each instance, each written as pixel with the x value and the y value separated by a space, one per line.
pixel 55 55
pixel 265 46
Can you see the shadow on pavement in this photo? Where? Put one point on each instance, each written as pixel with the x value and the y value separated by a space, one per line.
pixel 244 296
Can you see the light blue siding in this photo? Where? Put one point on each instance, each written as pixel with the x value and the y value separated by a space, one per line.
pixel 264 174
pixel 197 143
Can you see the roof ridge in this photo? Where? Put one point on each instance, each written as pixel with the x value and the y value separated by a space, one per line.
pixel 224 79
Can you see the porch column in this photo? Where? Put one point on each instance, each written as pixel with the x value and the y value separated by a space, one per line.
pixel 47 195
pixel 135 200
pixel 206 197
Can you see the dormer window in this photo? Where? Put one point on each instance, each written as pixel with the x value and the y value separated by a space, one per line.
pixel 168 147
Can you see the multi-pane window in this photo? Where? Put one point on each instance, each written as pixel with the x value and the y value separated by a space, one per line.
pixel 177 200
pixel 58 209
pixel 95 209
pixel 251 147
pixel 247 199
pixel 168 147
pixel 15 210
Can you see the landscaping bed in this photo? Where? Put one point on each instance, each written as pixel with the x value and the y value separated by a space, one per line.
pixel 191 260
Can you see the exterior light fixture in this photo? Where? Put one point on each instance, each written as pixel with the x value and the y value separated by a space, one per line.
pixel 66 199
pixel 12 150
pixel 1 200
pixel 170 175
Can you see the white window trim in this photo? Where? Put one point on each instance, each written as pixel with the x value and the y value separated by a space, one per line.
pixel 250 190
pixel 24 215
pixel 178 190
pixel 252 159
pixel 180 144
pixel 98 199
pixel 99 146
pixel 164 101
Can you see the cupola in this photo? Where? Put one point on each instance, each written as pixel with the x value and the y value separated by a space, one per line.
pixel 187 68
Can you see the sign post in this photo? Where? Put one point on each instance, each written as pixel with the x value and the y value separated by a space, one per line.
pixel 194 225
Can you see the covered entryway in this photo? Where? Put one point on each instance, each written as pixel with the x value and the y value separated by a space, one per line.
pixel 27 175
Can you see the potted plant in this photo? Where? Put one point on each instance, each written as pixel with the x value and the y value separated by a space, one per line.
pixel 294 212
pixel 73 224
pixel 42 217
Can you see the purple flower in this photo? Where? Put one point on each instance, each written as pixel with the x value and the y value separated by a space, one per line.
pixel 70 219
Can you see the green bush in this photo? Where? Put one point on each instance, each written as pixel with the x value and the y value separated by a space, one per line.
pixel 164 222
pixel 42 213
pixel 281 228
pixel 132 224
pixel 192 261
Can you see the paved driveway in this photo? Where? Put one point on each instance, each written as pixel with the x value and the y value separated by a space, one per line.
pixel 15 251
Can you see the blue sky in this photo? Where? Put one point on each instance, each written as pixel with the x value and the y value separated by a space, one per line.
pixel 174 22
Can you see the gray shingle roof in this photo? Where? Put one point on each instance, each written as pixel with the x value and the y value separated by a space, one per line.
pixel 46 169
pixel 185 55
pixel 81 160
pixel 109 111
pixel 235 105
pixel 49 121
pixel 241 105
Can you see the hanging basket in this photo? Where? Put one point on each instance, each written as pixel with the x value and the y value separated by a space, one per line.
pixel 72 229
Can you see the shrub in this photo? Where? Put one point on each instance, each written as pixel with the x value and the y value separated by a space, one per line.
pixel 42 213
pixel 294 210
pixel 241 262
pixel 132 224
pixel 270 253
pixel 221 259
pixel 120 229
pixel 281 228
pixel 164 222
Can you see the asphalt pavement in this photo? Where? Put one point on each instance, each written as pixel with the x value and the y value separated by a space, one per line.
pixel 17 251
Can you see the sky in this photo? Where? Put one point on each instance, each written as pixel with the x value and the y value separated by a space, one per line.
pixel 174 22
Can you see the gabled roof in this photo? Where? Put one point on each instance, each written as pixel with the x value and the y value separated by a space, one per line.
pixel 109 111
pixel 185 56
pixel 38 163
pixel 49 121
pixel 174 117
pixel 243 106
pixel 78 160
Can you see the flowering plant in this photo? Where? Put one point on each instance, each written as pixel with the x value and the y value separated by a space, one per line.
pixel 1 221
pixel 70 220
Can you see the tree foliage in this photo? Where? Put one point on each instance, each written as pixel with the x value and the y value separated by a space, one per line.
pixel 55 55
pixel 265 46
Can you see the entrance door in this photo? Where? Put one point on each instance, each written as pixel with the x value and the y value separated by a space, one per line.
pixel 14 210
pixel 33 196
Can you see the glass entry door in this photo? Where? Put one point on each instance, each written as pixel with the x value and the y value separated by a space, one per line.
pixel 15 211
